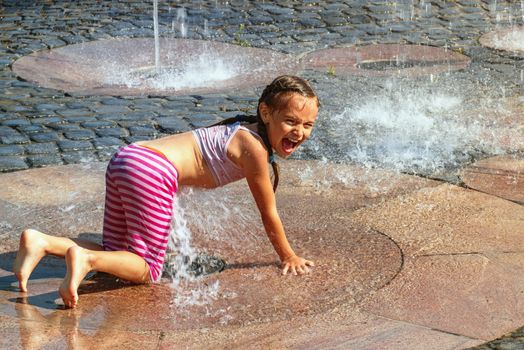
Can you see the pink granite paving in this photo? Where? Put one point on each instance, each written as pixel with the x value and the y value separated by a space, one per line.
pixel 506 39
pixel 405 263
pixel 501 176
pixel 425 60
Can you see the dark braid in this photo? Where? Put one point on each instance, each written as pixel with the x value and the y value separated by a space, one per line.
pixel 273 96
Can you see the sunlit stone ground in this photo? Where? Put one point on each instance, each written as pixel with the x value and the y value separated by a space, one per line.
pixel 408 197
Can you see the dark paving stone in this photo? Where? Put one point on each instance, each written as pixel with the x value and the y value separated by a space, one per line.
pixel 69 145
pixel 8 163
pixel 41 148
pixel 16 122
pixel 29 129
pixel 14 139
pixel 142 131
pixel 6 131
pixel 95 124
pixel 113 132
pixel 137 138
pixel 64 127
pixel 44 160
pixel 105 142
pixel 45 137
pixel 172 124
pixel 105 154
pixel 79 119
pixel 80 134
pixel 11 150
pixel 46 120
pixel 108 109
pixel 47 107
pixel 75 112
pixel 79 157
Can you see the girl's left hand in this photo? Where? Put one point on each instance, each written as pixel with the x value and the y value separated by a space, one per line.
pixel 296 265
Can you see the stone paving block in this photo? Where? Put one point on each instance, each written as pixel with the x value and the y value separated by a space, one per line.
pixel 115 101
pixel 64 127
pixel 133 139
pixel 96 124
pixel 48 107
pixel 108 141
pixel 46 120
pixel 15 108
pixel 142 130
pixel 75 112
pixel 44 160
pixel 172 124
pixel 81 134
pixel 109 109
pixel 14 138
pixel 30 129
pixel 10 163
pixel 11 150
pixel 45 137
pixel 69 145
pixel 42 148
pixel 79 157
pixel 15 122
pixel 113 132
pixel 105 154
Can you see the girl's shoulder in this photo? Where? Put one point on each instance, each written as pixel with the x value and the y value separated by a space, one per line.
pixel 247 144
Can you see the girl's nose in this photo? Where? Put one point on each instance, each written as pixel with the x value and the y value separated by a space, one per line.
pixel 299 131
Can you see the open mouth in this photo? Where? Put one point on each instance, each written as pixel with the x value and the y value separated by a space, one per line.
pixel 288 146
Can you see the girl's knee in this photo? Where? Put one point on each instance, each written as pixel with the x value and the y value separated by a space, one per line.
pixel 29 234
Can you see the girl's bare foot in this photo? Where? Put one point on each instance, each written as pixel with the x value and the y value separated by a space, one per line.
pixel 78 265
pixel 31 250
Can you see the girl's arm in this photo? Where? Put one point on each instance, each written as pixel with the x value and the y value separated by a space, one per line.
pixel 254 163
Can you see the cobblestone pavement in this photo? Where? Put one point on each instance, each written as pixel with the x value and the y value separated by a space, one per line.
pixel 41 126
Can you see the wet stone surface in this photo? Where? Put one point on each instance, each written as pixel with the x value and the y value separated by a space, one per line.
pixel 40 126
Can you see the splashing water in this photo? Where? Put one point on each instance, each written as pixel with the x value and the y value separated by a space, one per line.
pixel 228 214
pixel 207 70
pixel 181 18
pixel 191 289
pixel 180 246
pixel 403 129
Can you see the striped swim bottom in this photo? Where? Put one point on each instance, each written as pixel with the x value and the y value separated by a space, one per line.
pixel 140 191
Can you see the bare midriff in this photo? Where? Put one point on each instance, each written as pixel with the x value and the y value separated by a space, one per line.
pixel 182 150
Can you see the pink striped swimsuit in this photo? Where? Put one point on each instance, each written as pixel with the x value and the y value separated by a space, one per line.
pixel 140 191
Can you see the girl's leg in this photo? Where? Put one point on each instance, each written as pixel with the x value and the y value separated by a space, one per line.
pixel 80 262
pixel 34 245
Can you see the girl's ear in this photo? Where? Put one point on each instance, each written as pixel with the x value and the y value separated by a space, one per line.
pixel 265 112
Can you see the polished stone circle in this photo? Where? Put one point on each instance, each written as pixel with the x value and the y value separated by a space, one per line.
pixel 505 39
pixel 123 67
pixel 386 60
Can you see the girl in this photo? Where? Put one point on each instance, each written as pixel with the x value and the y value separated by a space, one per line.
pixel 142 179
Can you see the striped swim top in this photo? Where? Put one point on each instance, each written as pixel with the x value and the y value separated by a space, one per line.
pixel 213 142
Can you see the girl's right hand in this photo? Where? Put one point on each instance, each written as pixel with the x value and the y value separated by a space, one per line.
pixel 296 265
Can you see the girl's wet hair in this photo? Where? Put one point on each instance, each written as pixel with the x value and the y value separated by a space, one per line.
pixel 274 96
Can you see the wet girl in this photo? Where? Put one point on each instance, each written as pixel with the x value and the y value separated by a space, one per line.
pixel 142 179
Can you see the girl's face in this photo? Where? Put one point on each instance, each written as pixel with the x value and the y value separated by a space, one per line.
pixel 290 124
